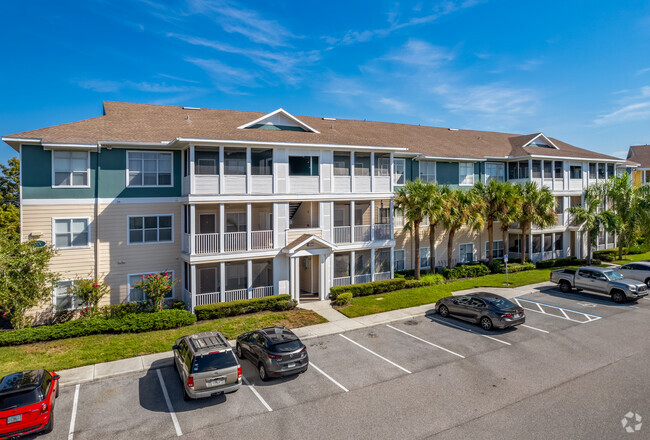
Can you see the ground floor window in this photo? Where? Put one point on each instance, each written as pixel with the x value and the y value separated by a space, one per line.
pixel 382 260
pixel 425 257
pixel 497 249
pixel 236 275
pixel 262 273
pixel 466 253
pixel 208 280
pixel 341 265
pixel 137 295
pixel 399 259
pixel 64 300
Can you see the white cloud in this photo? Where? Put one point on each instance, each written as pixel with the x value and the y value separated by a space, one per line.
pixel 621 153
pixel 103 86
pixel 226 78
pixel 487 100
pixel 420 53
pixel 633 107
pixel 394 105
pixel 642 71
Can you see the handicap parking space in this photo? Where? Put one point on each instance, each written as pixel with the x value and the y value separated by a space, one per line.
pixel 583 302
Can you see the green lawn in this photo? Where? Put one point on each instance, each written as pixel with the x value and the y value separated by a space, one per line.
pixel 86 350
pixel 630 258
pixel 400 299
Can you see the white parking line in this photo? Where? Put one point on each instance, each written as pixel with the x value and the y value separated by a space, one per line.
pixel 75 403
pixel 541 308
pixel 426 342
pixel 378 355
pixel 169 404
pixel 534 328
pixel 468 330
pixel 328 376
pixel 252 388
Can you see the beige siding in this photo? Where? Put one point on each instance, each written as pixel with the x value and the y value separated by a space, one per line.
pixel 406 241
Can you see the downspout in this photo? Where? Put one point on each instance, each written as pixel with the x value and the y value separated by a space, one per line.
pixel 96 208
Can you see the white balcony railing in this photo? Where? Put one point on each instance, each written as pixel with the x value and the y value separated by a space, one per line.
pixel 382 232
pixel 382 276
pixel 234 241
pixel 207 298
pixel 206 243
pixel 260 292
pixel 362 233
pixel 342 234
pixel 358 279
pixel 233 295
pixel 262 240
pixel 341 281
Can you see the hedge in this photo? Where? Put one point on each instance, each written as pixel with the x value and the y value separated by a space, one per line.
pixel 606 255
pixel 241 307
pixel 372 288
pixel 518 267
pixel 343 299
pixel 567 261
pixel 129 323
pixel 470 271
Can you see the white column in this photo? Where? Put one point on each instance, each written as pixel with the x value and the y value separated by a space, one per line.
pixel 222 178
pixel 530 169
pixel 192 221
pixel 351 221
pixel 191 169
pixel 352 171
pixel 193 285
pixel 391 170
pixel 372 264
pixel 222 281
pixel 248 171
pixel 372 171
pixel 372 220
pixel 392 262
pixel 249 217
pixel 352 267
pixel 530 248
pixel 222 225
pixel 183 213
pixel 249 277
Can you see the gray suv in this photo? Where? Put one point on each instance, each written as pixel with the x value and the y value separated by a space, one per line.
pixel 206 365
pixel 275 351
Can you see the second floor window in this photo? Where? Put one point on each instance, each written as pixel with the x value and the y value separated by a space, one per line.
pixel 466 174
pixel 399 166
pixel 70 168
pixel 234 161
pixel 559 169
pixel 206 163
pixel 71 233
pixel 495 171
pixel 575 171
pixel 303 165
pixel 341 164
pixel 149 169
pixel 362 164
pixel 261 162
pixel 150 229
pixel 382 164
pixel 427 171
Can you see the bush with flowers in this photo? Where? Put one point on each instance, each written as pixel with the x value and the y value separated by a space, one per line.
pixel 89 291
pixel 156 287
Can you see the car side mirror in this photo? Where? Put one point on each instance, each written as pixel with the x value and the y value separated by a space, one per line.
pixel 455 301
pixel 57 377
pixel 174 347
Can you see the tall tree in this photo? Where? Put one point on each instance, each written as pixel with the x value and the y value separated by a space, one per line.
pixel 412 199
pixel 509 211
pixel 462 207
pixel 10 182
pixel 496 197
pixel 435 208
pixel 537 208
pixel 626 204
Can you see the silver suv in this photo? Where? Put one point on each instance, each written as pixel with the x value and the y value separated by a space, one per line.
pixel 206 365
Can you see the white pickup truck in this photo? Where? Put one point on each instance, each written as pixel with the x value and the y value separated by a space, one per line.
pixel 600 280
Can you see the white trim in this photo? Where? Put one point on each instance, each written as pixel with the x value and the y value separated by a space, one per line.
pixel 66 294
pixel 421 156
pixel 106 201
pixel 287 144
pixel 54 219
pixel 22 140
pixel 286 114
pixel 460 182
pixel 53 186
pixel 128 235
pixel 128 283
pixel 551 158
pixel 56 146
pixel 487 247
pixel 284 197
pixel 420 262
pixel 545 137
pixel 473 251
pixel 126 168
pixel 308 240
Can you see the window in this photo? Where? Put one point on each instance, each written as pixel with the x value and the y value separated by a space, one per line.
pixel 523 169
pixel 537 169
pixel 592 170
pixel 64 300
pixel 149 169
pixel 383 216
pixel 425 257
pixel 382 260
pixel 150 229
pixel 495 171
pixel 398 218
pixel 137 295
pixel 575 172
pixel 610 170
pixel 514 241
pixel 398 261
pixel 71 233
pixel 497 249
pixel 303 165
pixel 236 222
pixel 466 253
pixel 427 171
pixel 382 164
pixel 548 169
pixel 559 169
pixel 208 280
pixel 341 265
pixel 518 170
pixel 362 164
pixel 341 164
pixel 362 263
pixel 262 273
pixel 466 174
pixel 399 166
pixel 601 170
pixel 559 242
pixel 70 168
pixel 207 163
pixel 261 162
pixel 548 243
pixel 537 243
pixel 559 205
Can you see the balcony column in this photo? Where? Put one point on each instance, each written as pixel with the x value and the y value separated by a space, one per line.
pixel 249 217
pixel 192 228
pixel 193 286
pixel 392 262
pixel 222 225
pixel 530 170
pixel 222 178
pixel 352 171
pixel 191 169
pixel 391 171
pixel 249 278
pixel 351 221
pixel 222 281
pixel 372 264
pixel 530 248
pixel 372 171
pixel 352 253
pixel 249 188
pixel 391 214
pixel 372 220
pixel 183 226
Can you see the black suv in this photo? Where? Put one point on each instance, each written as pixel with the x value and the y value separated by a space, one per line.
pixel 275 351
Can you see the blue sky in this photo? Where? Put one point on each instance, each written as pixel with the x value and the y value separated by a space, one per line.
pixel 576 70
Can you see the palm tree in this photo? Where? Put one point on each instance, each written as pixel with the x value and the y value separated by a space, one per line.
pixel 434 208
pixel 626 201
pixel 509 210
pixel 412 199
pixel 537 208
pixel 591 218
pixel 496 197
pixel 462 207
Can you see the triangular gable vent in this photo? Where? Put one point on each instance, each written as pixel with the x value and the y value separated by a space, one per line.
pixel 279 120
pixel 541 141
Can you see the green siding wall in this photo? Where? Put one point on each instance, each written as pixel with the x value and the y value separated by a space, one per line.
pixel 37 177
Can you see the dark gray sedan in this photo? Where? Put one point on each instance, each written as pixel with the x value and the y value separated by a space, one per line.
pixel 488 310
pixel 275 351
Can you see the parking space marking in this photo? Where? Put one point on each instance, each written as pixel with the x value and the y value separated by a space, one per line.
pixel 593 300
pixel 169 404
pixel 328 376
pixel 540 309
pixel 378 355
pixel 252 388
pixel 534 328
pixel 426 342
pixel 75 403
pixel 468 330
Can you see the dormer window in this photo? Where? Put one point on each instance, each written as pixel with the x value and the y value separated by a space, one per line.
pixel 278 120
pixel 541 141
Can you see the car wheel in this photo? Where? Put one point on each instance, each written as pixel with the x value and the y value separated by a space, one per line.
pixel 50 423
pixel 443 311
pixel 239 352
pixel 618 297
pixel 263 374
pixel 486 323
pixel 647 282
pixel 565 287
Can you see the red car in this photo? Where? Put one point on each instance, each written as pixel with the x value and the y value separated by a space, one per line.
pixel 26 402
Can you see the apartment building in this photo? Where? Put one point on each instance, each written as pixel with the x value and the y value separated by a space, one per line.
pixel 240 205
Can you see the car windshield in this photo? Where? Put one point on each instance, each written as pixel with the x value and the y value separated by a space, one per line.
pixel 286 347
pixel 612 275
pixel 502 303
pixel 20 399
pixel 214 361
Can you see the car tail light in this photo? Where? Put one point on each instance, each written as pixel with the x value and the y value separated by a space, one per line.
pixel 190 382
pixel 238 372
pixel 304 349
pixel 506 315
pixel 274 356
pixel 43 408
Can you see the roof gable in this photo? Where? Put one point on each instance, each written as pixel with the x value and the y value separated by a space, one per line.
pixel 540 140
pixel 278 120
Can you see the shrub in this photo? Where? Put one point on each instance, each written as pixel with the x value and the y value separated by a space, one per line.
pixel 476 270
pixel 518 267
pixel 343 299
pixel 156 287
pixel 119 310
pixel 372 288
pixel 90 291
pixel 638 249
pixel 567 261
pixel 427 280
pixel 285 304
pixel 129 323
pixel 606 255
pixel 241 307
pixel 177 304
pixel 497 266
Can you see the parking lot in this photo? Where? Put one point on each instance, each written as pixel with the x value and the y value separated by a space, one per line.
pixel 411 378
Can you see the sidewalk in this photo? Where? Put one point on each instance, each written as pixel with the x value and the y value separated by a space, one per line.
pixel 337 323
